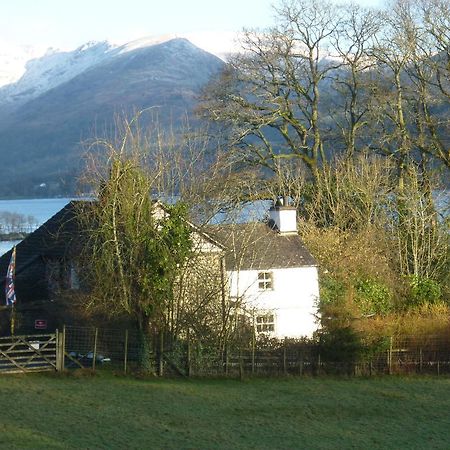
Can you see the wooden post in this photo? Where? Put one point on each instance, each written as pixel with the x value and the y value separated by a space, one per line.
pixel 420 360
pixel 253 351
pixel 300 365
pixel 241 364
pixel 58 352
pixel 60 349
pixel 390 355
pixel 438 368
pixel 319 363
pixel 226 359
pixel 160 354
pixel 284 358
pixel 94 354
pixel 63 348
pixel 13 319
pixel 125 357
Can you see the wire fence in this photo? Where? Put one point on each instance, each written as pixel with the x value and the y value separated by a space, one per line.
pixel 127 351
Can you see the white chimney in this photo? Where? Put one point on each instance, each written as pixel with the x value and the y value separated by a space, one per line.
pixel 284 218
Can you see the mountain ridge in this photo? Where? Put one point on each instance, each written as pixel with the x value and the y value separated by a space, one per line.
pixel 41 138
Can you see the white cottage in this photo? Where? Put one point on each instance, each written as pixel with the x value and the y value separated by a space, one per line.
pixel 271 274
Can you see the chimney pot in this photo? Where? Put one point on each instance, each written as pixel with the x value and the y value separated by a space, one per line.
pixel 284 218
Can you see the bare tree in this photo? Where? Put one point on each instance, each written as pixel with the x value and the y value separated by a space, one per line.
pixel 269 95
pixel 353 44
pixel 436 20
pixel 420 238
pixel 411 115
pixel 394 49
pixel 430 77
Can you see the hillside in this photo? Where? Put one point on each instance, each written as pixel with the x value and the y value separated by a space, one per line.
pixel 41 138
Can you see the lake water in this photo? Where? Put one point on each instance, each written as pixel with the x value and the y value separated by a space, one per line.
pixel 40 208
pixel 44 208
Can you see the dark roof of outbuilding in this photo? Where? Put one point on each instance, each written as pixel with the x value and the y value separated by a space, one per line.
pixel 55 238
pixel 259 247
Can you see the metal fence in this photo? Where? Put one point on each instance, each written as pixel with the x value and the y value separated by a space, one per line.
pixel 126 351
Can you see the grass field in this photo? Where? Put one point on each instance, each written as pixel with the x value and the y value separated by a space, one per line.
pixel 107 411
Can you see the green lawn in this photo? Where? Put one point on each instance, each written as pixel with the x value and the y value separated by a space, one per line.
pixel 104 411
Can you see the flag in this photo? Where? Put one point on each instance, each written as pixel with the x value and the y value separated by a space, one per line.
pixel 9 285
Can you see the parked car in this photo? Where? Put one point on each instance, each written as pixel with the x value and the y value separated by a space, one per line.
pixel 85 359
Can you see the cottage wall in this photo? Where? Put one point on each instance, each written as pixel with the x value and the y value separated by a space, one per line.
pixel 292 298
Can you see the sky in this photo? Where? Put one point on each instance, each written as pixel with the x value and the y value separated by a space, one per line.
pixel 67 24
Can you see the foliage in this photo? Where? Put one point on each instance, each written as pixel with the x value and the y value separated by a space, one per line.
pixel 371 128
pixel 134 247
pixel 329 79
pixel 372 296
pixel 369 244
pixel 424 290
pixel 340 344
pixel 422 322
pixel 332 291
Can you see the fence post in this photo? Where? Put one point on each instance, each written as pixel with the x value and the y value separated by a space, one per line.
pixel 300 365
pixel 160 354
pixel 94 355
pixel 319 363
pixel 438 368
pixel 226 358
pixel 390 355
pixel 63 348
pixel 253 351
pixel 284 358
pixel 420 360
pixel 125 358
pixel 60 347
pixel 58 351
pixel 241 364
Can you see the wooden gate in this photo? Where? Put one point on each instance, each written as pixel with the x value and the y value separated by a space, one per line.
pixel 33 353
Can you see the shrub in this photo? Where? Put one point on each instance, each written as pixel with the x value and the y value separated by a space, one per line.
pixel 341 344
pixel 372 296
pixel 424 290
pixel 332 290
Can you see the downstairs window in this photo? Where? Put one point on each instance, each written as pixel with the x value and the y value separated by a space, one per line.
pixel 265 323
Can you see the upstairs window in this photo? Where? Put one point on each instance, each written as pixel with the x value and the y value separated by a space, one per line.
pixel 265 323
pixel 265 281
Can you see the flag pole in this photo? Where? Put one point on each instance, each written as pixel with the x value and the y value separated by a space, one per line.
pixel 13 319
pixel 10 291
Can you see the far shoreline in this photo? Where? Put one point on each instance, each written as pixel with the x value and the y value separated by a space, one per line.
pixel 16 236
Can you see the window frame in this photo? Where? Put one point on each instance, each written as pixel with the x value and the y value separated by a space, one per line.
pixel 265 322
pixel 265 280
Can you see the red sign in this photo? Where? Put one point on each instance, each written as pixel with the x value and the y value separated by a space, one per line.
pixel 40 324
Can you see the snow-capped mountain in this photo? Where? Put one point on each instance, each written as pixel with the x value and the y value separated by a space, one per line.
pixel 27 72
pixel 52 69
pixel 66 98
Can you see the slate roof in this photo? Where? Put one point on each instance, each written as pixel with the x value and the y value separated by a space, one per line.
pixel 247 246
pixel 256 246
pixel 55 238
